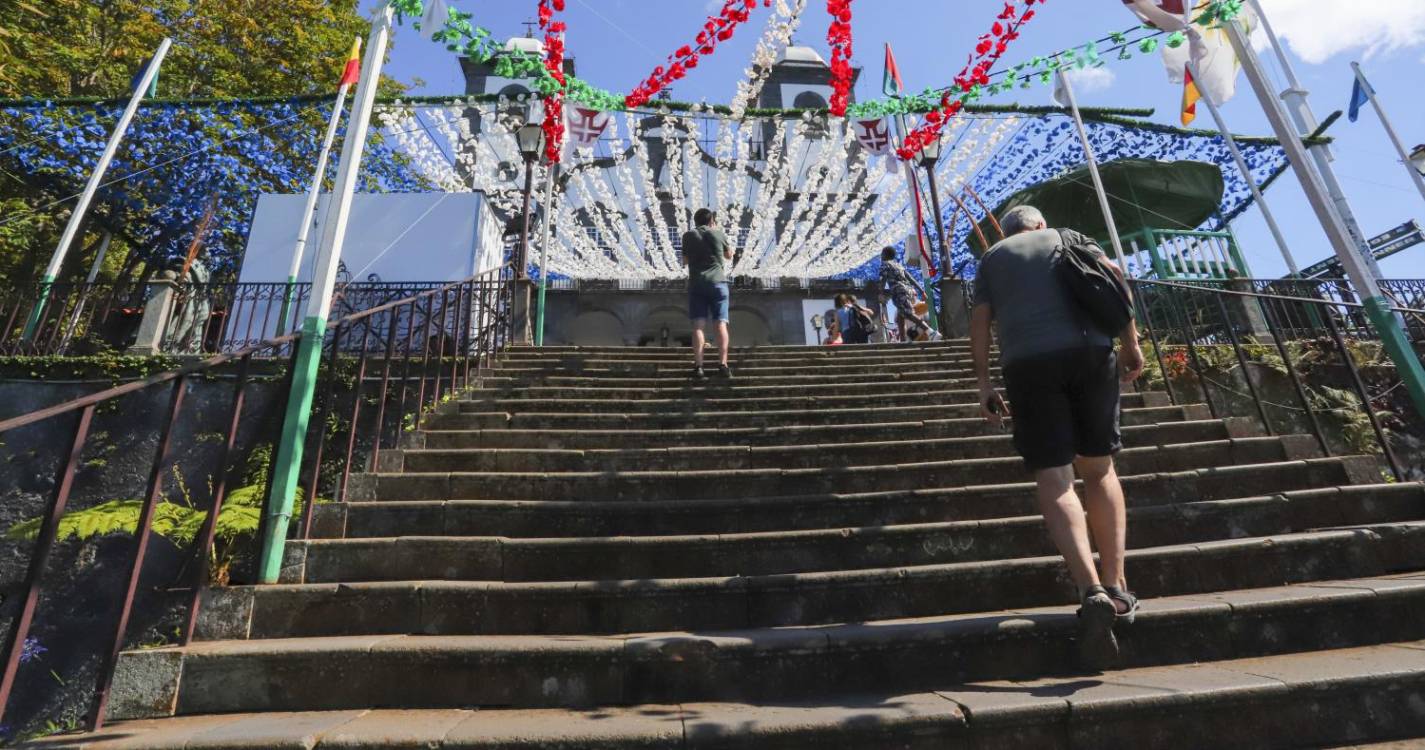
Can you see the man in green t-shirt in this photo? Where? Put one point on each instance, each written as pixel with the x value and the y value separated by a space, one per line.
pixel 706 252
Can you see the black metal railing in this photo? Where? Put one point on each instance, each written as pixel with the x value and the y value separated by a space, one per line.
pixel 383 370
pixel 74 317
pixel 1201 333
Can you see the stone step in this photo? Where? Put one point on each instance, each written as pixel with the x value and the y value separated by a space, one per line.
pixel 815 598
pixel 767 553
pixel 681 353
pixel 557 419
pixel 971 431
pixel 853 450
pixel 611 402
pixel 437 475
pixel 680 381
pixel 1328 698
pixel 647 368
pixel 556 519
pixel 413 671
pixel 852 391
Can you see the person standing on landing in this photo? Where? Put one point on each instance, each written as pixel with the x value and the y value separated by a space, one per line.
pixel 706 253
pixel 1062 377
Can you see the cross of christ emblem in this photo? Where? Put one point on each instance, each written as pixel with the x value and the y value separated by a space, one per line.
pixel 875 135
pixel 587 126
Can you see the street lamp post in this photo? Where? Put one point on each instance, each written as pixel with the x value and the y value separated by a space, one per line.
pixel 929 158
pixel 530 138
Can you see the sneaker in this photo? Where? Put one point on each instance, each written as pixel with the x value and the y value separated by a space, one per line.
pixel 699 374
pixel 1098 648
pixel 724 371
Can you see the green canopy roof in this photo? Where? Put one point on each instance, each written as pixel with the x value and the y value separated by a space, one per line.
pixel 1142 193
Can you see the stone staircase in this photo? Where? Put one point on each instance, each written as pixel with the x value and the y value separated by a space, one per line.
pixel 591 552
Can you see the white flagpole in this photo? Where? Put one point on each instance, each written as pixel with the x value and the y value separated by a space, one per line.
pixel 1093 171
pixel 309 213
pixel 76 217
pixel 545 239
pixel 287 462
pixel 1390 130
pixel 1246 171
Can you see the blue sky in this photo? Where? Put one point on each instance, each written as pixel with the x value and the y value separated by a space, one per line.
pixel 616 43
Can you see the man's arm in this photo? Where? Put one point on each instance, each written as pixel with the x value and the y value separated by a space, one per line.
pixel 980 319
pixel 1130 355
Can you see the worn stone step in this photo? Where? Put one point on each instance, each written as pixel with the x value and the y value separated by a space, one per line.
pixel 1330 698
pixel 851 450
pixel 767 553
pixel 807 663
pixel 504 380
pixel 646 368
pixel 548 519
pixel 825 415
pixel 799 354
pixel 815 598
pixel 972 431
pixel 940 394
pixel 847 392
pixel 436 475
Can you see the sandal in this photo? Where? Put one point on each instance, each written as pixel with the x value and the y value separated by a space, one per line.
pixel 1098 648
pixel 1127 599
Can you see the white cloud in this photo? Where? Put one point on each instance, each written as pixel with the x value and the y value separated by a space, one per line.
pixel 1320 29
pixel 1092 80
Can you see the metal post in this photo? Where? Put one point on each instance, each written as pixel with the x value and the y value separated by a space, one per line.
pixel 944 243
pixel 309 212
pixel 546 233
pixel 1305 120
pixel 76 217
pixel 1415 175
pixel 287 462
pixel 522 283
pixel 1093 171
pixel 1246 171
pixel 1378 309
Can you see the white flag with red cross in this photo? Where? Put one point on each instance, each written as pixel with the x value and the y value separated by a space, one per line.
pixel 585 127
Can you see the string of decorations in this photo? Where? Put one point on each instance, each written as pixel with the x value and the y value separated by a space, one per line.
pixel 554 67
pixel 838 36
pixel 718 28
pixel 990 48
pixel 775 38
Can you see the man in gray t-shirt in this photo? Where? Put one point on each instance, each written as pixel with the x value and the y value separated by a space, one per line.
pixel 1063 380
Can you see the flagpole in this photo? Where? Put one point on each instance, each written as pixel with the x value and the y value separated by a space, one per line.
pixel 1390 129
pixel 1377 308
pixel 1231 141
pixel 287 462
pixel 545 234
pixel 309 212
pixel 1299 107
pixel 76 217
pixel 933 319
pixel 1093 171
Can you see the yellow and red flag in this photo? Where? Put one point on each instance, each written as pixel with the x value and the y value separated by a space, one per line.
pixel 1191 96
pixel 352 72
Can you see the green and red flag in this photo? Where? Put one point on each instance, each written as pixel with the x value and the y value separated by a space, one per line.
pixel 892 85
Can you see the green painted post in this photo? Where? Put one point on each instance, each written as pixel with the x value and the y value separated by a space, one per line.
pixel 286 305
pixel 287 461
pixel 1397 345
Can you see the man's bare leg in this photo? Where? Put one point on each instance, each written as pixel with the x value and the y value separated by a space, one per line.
pixel 1064 516
pixel 700 339
pixel 722 339
pixel 1103 498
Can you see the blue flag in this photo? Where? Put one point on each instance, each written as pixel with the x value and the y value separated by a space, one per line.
pixel 138 78
pixel 1360 97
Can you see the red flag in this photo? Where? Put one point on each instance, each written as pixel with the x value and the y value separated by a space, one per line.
pixel 1191 96
pixel 352 73
pixel 892 85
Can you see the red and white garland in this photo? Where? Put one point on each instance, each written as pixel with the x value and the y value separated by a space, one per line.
pixel 839 37
pixel 976 72
pixel 554 63
pixel 718 28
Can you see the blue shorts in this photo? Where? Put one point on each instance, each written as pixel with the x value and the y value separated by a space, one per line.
pixel 708 302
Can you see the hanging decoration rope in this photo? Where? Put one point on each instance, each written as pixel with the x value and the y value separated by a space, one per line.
pixel 554 67
pixel 972 78
pixel 718 28
pixel 839 37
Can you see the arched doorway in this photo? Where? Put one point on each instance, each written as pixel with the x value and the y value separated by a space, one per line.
pixel 748 328
pixel 596 328
pixel 672 320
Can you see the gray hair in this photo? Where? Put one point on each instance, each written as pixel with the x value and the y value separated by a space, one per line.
pixel 1021 219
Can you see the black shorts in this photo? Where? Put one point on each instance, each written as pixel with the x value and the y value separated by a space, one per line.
pixel 1065 404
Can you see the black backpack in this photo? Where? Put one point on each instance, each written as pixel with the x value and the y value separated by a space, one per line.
pixel 863 320
pixel 1098 292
